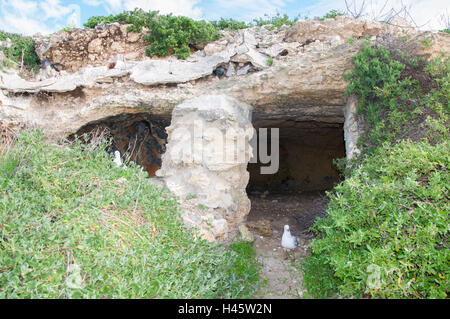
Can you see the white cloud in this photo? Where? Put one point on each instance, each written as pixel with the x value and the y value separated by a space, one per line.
pixel 26 26
pixel 21 7
pixel 249 9
pixel 425 13
pixel 114 5
pixel 30 17
pixel 187 8
pixel 177 7
pixel 93 3
pixel 53 9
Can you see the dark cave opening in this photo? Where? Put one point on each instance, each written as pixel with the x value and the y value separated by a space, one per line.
pixel 138 137
pixel 306 150
pixel 306 153
pixel 295 194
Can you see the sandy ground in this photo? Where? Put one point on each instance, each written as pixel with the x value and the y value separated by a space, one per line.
pixel 281 274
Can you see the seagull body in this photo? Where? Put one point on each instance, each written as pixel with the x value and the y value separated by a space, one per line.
pixel 288 241
pixel 117 159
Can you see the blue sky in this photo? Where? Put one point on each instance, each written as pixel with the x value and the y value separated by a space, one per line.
pixel 46 16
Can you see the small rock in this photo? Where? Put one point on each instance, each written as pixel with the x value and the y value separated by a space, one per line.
pixel 244 70
pixel 231 71
pixel 249 38
pixel 246 235
pixel 262 227
pixel 213 48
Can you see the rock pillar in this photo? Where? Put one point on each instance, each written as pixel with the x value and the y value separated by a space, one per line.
pixel 205 163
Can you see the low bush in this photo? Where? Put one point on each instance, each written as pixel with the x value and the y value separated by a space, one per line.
pixel 332 14
pixel 178 35
pixel 21 50
pixel 230 24
pixel 399 94
pixel 386 233
pixel 276 21
pixel 168 34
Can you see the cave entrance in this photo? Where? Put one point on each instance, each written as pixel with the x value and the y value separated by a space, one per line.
pixel 307 151
pixel 295 194
pixel 139 137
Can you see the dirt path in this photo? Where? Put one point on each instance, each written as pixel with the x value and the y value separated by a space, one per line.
pixel 281 273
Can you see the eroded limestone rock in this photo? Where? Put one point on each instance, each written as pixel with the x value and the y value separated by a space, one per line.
pixel 352 130
pixel 205 163
pixel 307 31
pixel 74 50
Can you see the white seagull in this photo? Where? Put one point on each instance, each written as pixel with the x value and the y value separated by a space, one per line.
pixel 288 241
pixel 117 159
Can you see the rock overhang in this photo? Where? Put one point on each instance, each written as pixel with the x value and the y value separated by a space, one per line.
pixel 303 92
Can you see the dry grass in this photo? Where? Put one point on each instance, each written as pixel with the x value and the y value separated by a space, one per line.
pixel 8 138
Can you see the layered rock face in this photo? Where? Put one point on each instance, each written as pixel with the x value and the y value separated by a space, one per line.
pixel 205 164
pixel 73 50
pixel 304 83
pixel 106 80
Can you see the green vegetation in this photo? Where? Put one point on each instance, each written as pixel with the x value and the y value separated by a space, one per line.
pixel 174 35
pixel 230 24
pixel 351 40
pixel 138 19
pixel 386 233
pixel 20 47
pixel 168 34
pixel 332 15
pixel 400 96
pixel 276 21
pixel 177 35
pixel 67 29
pixel 72 225
pixel 427 42
pixel 446 30
pixel 269 61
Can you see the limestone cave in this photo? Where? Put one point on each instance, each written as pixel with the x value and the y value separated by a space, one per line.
pixel 295 195
pixel 306 154
pixel 141 136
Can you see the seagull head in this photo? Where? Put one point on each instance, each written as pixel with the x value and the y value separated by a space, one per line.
pixel 286 228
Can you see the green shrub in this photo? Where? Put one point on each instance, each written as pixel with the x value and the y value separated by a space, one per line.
pixel 386 233
pixel 427 43
pixel 67 29
pixel 138 19
pixel 21 44
pixel 276 21
pixel 318 277
pixel 332 15
pixel 230 24
pixel 167 34
pixel 445 30
pixel 174 34
pixel 72 225
pixel 269 61
pixel 397 92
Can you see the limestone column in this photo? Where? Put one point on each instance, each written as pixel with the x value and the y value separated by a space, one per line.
pixel 205 163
